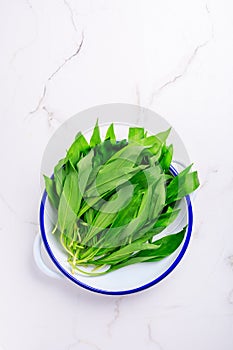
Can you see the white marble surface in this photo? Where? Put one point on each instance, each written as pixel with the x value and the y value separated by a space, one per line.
pixel 60 57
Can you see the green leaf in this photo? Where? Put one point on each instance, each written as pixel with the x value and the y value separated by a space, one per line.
pixel 147 176
pixel 122 219
pixel 182 185
pixel 84 170
pixel 158 198
pixel 135 134
pixel 69 204
pixel 78 148
pixel 144 205
pixel 128 231
pixel 51 191
pixel 106 215
pixel 95 138
pixel 152 146
pixel 111 134
pixel 129 154
pixel 166 246
pixel 125 252
pixel 162 136
pixel 60 173
pixel 166 218
pixel 155 226
pixel 126 215
pixel 89 215
pixel 149 141
pixel 110 177
pixel 102 153
pixel 166 158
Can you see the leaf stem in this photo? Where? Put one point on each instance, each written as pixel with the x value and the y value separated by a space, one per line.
pixel 54 229
pixel 64 246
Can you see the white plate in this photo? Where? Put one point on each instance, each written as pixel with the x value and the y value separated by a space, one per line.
pixel 132 278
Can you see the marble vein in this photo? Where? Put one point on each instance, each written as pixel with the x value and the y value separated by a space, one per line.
pixel 49 114
pixel 40 100
pixel 182 74
pixel 51 117
pixel 58 69
pixel 67 4
pixel 188 64
pixel 116 315
pixel 151 339
pixel 67 59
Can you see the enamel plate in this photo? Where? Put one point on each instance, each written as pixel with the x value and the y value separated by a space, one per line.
pixel 133 278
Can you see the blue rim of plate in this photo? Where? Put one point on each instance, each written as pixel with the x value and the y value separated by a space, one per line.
pixel 121 292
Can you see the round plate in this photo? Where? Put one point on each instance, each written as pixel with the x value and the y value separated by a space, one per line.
pixel 131 278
